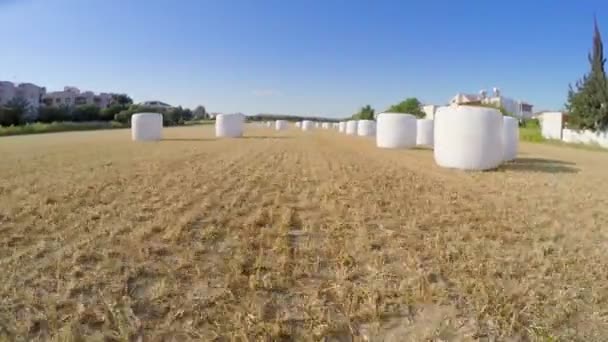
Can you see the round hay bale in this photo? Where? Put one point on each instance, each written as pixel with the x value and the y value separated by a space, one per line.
pixel 342 127
pixel 146 126
pixel 424 132
pixel 307 125
pixel 510 139
pixel 281 125
pixel 396 130
pixel 351 127
pixel 325 125
pixel 366 128
pixel 229 125
pixel 269 124
pixel 298 124
pixel 468 137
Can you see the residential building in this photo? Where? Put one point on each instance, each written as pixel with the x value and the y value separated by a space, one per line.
pixel 519 109
pixel 71 96
pixel 155 104
pixel 7 92
pixel 30 92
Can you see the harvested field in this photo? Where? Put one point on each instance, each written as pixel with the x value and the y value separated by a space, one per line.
pixel 296 236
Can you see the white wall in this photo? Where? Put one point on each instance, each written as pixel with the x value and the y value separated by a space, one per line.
pixel 585 137
pixel 551 125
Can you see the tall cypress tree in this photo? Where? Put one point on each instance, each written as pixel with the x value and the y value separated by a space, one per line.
pixel 588 103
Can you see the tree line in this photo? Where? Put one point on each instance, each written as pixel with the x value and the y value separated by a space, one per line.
pixel 294 118
pixel 18 111
pixel 410 105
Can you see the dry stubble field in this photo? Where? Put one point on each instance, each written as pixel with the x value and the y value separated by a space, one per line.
pixel 294 236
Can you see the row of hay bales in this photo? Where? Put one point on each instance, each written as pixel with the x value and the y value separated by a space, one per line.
pixel 149 126
pixel 463 137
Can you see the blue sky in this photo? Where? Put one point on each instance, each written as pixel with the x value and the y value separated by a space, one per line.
pixel 314 57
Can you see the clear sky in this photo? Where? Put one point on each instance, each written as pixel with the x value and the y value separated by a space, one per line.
pixel 305 57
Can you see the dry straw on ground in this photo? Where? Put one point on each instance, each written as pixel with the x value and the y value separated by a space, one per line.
pixel 296 237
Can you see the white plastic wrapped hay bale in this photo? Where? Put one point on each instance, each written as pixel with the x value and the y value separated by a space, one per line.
pixel 342 127
pixel 269 124
pixel 146 126
pixel 229 125
pixel 280 125
pixel 510 138
pixel 396 130
pixel 424 132
pixel 351 127
pixel 366 128
pixel 307 125
pixel 468 138
pixel 325 125
pixel 298 124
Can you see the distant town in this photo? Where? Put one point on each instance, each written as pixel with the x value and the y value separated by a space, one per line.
pixel 37 96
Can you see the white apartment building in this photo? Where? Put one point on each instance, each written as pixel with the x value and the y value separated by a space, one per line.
pixel 519 109
pixel 72 96
pixel 32 93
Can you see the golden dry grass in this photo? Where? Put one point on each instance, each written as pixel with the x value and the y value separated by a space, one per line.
pixel 293 236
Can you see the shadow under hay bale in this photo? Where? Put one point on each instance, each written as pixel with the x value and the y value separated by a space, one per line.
pixel 539 165
pixel 422 148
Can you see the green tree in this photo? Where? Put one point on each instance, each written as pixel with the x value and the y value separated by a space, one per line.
pixel 588 100
pixel 85 113
pixel 51 113
pixel 121 99
pixel 172 116
pixel 187 114
pixel 108 114
pixel 365 113
pixel 124 116
pixel 408 106
pixel 200 113
pixel 14 111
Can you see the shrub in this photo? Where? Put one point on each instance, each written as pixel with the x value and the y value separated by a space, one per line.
pixel 40 127
pixel 108 114
pixel 85 113
pixel 52 114
pixel 124 116
pixel 14 112
pixel 10 116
